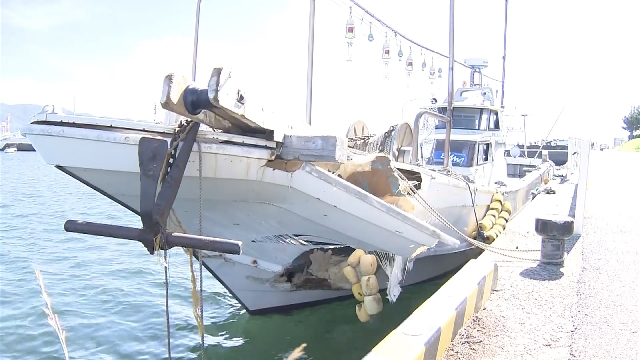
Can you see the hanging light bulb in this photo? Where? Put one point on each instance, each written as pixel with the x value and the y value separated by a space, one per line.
pixel 409 64
pixel 350 32
pixel 424 62
pixel 370 37
pixel 432 71
pixel 400 53
pixel 440 73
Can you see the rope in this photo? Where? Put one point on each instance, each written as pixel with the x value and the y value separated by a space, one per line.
pixel 166 301
pixel 439 217
pixel 200 255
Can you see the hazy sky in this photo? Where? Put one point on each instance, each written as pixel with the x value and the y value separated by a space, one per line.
pixel 112 56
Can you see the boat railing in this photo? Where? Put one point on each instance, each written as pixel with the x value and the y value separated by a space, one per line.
pixel 416 129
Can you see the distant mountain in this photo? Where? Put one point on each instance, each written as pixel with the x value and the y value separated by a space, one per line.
pixel 22 113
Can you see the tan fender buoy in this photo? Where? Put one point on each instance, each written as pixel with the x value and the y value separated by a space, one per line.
pixel 491 236
pixel 497 197
pixel 505 215
pixel 354 258
pixel 351 274
pixel 356 289
pixel 495 205
pixel 368 264
pixel 507 207
pixel 493 213
pixel 500 221
pixel 486 224
pixel 369 285
pixel 373 304
pixel 362 314
pixel 497 229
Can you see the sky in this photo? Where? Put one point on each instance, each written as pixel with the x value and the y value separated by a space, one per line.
pixel 111 57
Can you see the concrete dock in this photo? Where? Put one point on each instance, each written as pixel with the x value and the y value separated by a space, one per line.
pixel 586 309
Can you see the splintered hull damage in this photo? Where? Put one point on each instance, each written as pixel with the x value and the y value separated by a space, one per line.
pixel 298 221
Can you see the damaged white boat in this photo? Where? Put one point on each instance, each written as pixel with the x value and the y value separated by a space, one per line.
pixel 301 204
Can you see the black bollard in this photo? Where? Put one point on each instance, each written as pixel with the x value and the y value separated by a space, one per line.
pixel 554 230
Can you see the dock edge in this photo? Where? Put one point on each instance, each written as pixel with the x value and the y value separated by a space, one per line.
pixel 428 331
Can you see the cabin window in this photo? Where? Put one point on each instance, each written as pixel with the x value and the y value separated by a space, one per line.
pixel 485 154
pixel 463 118
pixel 461 152
pixel 484 120
pixel 494 121
pixel 470 119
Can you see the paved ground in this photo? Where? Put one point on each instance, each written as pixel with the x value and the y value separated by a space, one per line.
pixel 589 308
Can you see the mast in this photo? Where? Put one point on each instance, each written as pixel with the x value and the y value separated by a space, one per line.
pixel 312 19
pixel 447 139
pixel 504 52
pixel 195 42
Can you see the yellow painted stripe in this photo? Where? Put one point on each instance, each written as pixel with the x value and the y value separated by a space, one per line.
pixel 446 334
pixel 487 286
pixel 471 304
pixel 419 332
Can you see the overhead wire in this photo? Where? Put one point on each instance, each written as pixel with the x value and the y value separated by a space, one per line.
pixel 382 28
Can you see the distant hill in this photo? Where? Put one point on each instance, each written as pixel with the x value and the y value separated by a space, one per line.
pixel 22 113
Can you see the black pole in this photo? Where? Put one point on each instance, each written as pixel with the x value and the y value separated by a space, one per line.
pixel 206 243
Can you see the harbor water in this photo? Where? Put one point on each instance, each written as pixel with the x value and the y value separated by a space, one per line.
pixel 109 293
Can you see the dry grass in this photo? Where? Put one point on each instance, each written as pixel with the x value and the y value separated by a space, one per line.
pixel 630 146
pixel 52 317
pixel 297 352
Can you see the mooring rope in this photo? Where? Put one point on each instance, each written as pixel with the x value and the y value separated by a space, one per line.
pixel 201 329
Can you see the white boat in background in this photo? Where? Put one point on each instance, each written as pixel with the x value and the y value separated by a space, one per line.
pixel 10 150
pixel 302 204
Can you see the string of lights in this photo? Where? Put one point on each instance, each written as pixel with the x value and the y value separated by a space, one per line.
pixel 377 25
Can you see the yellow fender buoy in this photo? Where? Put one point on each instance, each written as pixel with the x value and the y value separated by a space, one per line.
pixel 497 197
pixel 507 207
pixel 494 213
pixel 491 236
pixel 362 314
pixel 351 274
pixel 474 235
pixel 497 229
pixel 354 258
pixel 356 289
pixel 368 264
pixel 505 215
pixel 501 221
pixel 373 304
pixel 486 223
pixel 369 285
pixel 495 205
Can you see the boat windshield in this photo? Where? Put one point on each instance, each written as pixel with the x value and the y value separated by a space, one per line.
pixel 462 153
pixel 465 118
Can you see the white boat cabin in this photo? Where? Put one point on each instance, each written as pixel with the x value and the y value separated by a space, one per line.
pixel 477 140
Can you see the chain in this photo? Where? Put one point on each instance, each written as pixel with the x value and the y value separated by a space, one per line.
pixel 200 233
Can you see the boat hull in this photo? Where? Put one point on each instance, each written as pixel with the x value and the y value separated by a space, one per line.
pixel 281 216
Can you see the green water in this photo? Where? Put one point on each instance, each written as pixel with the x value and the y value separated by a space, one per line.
pixel 109 294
